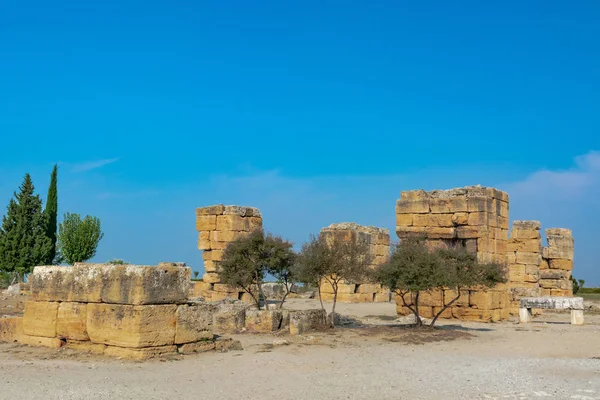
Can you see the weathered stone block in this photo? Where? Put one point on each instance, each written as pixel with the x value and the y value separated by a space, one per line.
pixel 556 303
pixel 463 300
pixel 448 205
pixel 471 232
pixel 404 219
pixel 41 341
pixel 263 321
pixel 414 195
pixel 556 263
pixel 11 329
pixel 232 223
pixel 198 347
pixel 194 322
pixel 229 318
pixel 382 297
pixel 216 255
pixel 566 253
pixel 139 353
pixel 433 220
pixel 137 285
pixel 528 258
pixel 434 298
pixel 131 326
pixel 305 321
pixel 206 222
pixel 412 207
pixel 526 245
pixel 447 314
pixel 342 288
pixel 211 210
pixel 227 236
pixel 484 300
pixel 525 234
pixel 39 318
pixel 211 277
pixel 479 218
pixel 86 346
pixel 554 274
pixel 71 321
pixel 200 289
pixel 425 311
pixel 474 314
pixel 555 284
pixel 460 218
pixel 254 223
pixel 480 204
pixel 368 288
pixel 81 283
pixel 204 240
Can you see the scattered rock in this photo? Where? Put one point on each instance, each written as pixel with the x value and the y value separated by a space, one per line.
pixel 280 342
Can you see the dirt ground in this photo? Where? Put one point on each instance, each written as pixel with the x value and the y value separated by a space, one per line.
pixel 548 358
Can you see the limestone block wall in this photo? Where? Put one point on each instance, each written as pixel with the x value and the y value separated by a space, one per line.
pixel 557 263
pixel 523 257
pixel 218 226
pixel 379 247
pixel 477 218
pixel 473 217
pixel 127 311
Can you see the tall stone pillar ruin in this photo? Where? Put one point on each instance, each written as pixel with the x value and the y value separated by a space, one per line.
pixel 218 226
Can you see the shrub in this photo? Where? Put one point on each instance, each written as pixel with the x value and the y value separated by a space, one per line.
pixel 333 261
pixel 248 259
pixel 414 268
pixel 78 238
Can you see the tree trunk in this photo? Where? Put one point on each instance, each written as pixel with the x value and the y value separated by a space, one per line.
pixel 444 309
pixel 321 301
pixel 418 321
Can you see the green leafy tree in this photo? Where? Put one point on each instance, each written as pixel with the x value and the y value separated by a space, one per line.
pixel 332 262
pixel 248 259
pixel 51 212
pixel 577 284
pixel 23 239
pixel 78 238
pixel 414 268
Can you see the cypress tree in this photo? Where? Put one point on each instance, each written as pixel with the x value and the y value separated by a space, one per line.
pixel 51 213
pixel 23 240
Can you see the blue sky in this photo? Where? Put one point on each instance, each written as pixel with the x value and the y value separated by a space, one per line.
pixel 315 112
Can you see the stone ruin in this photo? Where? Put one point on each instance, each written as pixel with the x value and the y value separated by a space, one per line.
pixel 136 312
pixel 127 311
pixel 476 218
pixel 379 247
pixel 218 226
pixel 535 270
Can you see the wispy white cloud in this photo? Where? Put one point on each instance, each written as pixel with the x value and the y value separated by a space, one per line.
pixel 570 183
pixel 92 165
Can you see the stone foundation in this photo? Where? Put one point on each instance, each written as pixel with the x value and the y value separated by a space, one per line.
pixel 118 310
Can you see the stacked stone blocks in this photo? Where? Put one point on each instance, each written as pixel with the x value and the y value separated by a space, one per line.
pixel 218 226
pixel 378 240
pixel 474 217
pixel 118 310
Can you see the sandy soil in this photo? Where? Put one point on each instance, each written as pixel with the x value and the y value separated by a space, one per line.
pixel 546 359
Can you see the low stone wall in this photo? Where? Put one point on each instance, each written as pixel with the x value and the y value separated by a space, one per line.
pixel 126 311
pixel 379 248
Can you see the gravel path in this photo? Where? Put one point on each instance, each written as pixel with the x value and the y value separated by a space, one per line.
pixel 499 361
